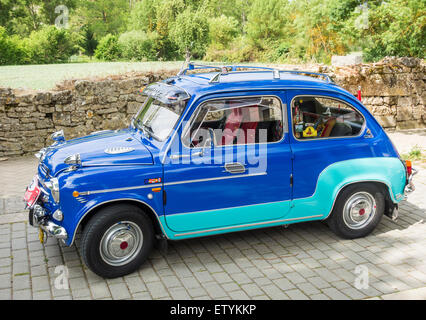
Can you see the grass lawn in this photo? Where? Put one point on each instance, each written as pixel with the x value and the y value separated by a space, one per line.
pixel 47 76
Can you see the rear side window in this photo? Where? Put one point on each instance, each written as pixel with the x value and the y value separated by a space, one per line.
pixel 317 117
pixel 236 121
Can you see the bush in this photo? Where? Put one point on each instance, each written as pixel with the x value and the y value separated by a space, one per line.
pixel 190 33
pixel 50 45
pixel 239 51
pixel 108 48
pixel 11 49
pixel 142 16
pixel 396 28
pixel 138 45
pixel 222 30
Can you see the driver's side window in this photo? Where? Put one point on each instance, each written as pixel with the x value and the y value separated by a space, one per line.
pixel 317 117
pixel 235 121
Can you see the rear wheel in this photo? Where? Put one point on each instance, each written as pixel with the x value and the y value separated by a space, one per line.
pixel 117 240
pixel 358 210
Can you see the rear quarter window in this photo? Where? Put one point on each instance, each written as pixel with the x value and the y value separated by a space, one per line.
pixel 319 117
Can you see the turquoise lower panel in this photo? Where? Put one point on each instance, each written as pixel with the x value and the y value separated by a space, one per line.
pixel 201 233
pixel 389 171
pixel 195 221
pixel 332 179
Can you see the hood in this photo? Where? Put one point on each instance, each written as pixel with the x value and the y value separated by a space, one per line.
pixel 97 149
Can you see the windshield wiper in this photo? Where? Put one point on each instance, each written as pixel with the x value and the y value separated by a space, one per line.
pixel 149 130
pixel 139 125
pixel 145 128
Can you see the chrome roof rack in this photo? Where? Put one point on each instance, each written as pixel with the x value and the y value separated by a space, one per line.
pixel 234 68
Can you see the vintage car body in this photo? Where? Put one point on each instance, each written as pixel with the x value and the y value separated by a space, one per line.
pixel 301 179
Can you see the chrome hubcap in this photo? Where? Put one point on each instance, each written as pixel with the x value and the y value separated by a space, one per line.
pixel 359 210
pixel 121 243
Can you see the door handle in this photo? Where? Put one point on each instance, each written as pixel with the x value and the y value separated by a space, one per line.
pixel 235 167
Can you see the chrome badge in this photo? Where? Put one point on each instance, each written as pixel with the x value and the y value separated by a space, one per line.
pixel 118 150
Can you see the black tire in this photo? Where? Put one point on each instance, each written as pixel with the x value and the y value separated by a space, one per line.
pixel 126 217
pixel 342 224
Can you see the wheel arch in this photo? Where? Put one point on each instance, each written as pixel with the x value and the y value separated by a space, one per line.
pixel 381 185
pixel 158 228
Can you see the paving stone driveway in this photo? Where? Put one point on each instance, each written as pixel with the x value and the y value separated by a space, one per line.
pixel 304 261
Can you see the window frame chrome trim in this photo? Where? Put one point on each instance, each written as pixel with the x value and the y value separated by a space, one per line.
pixel 284 118
pixel 361 132
pixel 283 89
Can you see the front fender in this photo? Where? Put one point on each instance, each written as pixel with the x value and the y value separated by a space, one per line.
pixel 155 204
pixel 87 188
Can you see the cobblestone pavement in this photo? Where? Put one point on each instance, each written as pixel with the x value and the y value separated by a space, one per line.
pixel 304 261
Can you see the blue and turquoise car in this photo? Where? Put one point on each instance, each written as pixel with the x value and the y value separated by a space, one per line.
pixel 216 150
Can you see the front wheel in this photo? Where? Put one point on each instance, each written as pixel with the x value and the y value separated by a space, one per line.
pixel 358 210
pixel 117 240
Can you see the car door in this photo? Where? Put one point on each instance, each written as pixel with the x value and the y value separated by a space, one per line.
pixel 230 165
pixel 325 128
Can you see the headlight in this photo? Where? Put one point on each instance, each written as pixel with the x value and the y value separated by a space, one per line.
pixel 53 186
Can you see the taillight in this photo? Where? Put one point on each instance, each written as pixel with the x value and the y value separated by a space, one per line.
pixel 409 168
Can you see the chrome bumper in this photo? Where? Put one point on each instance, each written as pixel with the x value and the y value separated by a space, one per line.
pixel 54 230
pixel 38 218
pixel 410 186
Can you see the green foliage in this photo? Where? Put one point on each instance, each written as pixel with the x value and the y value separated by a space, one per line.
pixel 138 46
pixel 222 30
pixel 190 32
pixel 285 31
pixel 108 48
pixel 396 28
pixel 265 21
pixel 415 154
pixel 50 45
pixel 102 16
pixel 237 51
pixel 11 49
pixel 47 45
pixel 143 16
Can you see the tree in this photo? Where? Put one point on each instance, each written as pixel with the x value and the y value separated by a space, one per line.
pixel 11 49
pixel 266 20
pixel 143 16
pixel 50 45
pixel 222 30
pixel 47 9
pixel 102 17
pixel 190 32
pixel 138 45
pixel 108 48
pixel 6 14
pixel 395 28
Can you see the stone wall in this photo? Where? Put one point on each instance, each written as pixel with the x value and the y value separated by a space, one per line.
pixel 393 90
pixel 27 119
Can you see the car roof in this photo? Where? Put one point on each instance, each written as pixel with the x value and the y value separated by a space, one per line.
pixel 200 84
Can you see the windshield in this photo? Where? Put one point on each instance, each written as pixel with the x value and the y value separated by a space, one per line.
pixel 158 119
